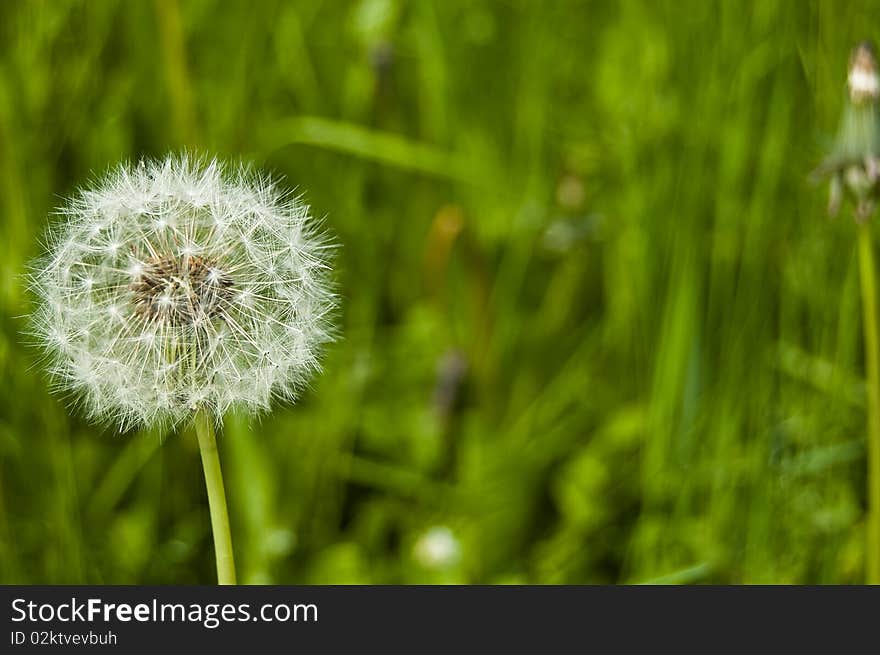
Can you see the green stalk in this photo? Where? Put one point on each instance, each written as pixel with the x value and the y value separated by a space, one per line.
pixel 872 356
pixel 216 498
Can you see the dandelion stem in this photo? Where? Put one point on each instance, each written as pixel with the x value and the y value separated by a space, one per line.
pixel 872 356
pixel 216 498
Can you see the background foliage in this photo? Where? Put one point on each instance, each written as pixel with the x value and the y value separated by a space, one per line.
pixel 596 325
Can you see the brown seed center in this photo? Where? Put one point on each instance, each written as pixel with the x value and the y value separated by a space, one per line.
pixel 184 290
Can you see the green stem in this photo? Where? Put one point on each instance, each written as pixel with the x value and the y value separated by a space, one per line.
pixel 216 498
pixel 872 356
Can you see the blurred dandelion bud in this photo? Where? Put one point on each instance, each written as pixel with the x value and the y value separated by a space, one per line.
pixel 181 285
pixel 451 374
pixel 862 80
pixel 570 193
pixel 854 164
pixel 437 548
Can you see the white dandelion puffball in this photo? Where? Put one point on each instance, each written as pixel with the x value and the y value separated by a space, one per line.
pixel 179 285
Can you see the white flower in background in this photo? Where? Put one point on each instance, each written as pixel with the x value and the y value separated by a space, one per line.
pixel 853 165
pixel 179 285
pixel 438 548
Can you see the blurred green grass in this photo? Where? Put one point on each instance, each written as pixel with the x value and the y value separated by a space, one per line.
pixel 596 326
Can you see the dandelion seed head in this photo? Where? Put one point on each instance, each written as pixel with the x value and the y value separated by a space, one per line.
pixel 182 284
pixel 863 80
